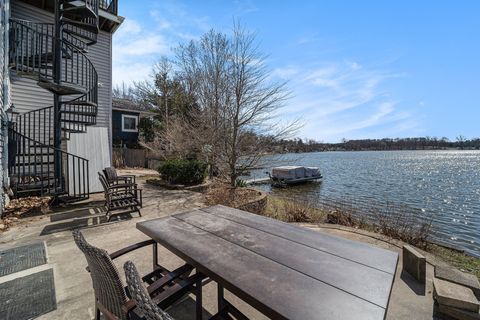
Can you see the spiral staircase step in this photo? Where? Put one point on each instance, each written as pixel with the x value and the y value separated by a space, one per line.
pixel 81 103
pixel 81 12
pixel 60 89
pixel 91 38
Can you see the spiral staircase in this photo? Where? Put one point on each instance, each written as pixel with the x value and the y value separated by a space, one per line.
pixel 54 55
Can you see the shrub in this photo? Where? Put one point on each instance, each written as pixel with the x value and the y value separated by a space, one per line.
pixel 183 171
pixel 240 183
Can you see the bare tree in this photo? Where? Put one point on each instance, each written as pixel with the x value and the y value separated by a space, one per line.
pixel 124 91
pixel 204 68
pixel 461 139
pixel 237 98
pixel 162 74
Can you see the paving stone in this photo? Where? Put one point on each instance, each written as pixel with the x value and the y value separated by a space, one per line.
pixel 458 314
pixel 456 276
pixel 414 263
pixel 454 295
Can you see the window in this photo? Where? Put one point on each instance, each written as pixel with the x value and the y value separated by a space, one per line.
pixel 129 123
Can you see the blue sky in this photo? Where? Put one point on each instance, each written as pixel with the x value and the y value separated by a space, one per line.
pixel 356 69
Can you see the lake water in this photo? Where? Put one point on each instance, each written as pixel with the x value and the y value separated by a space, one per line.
pixel 444 185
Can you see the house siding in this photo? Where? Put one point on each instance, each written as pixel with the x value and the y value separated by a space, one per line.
pixel 28 96
pixel 118 135
pixel 4 98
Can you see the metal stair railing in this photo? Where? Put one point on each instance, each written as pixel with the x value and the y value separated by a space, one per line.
pixel 33 172
pixel 34 162
pixel 31 53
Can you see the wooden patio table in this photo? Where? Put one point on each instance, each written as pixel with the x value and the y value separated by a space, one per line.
pixel 282 270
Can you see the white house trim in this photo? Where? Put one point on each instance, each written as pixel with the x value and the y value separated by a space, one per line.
pixel 123 123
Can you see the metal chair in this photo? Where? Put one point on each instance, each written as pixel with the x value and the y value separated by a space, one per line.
pixel 121 196
pixel 113 178
pixel 111 298
pixel 150 309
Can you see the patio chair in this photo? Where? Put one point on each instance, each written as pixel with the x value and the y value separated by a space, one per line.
pixel 111 297
pixel 113 178
pixel 121 197
pixel 150 309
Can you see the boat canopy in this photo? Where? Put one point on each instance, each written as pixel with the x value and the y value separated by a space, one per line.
pixel 295 172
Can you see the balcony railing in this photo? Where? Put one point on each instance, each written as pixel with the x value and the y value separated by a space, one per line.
pixel 109 6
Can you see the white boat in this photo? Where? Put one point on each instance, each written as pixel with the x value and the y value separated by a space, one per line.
pixel 289 175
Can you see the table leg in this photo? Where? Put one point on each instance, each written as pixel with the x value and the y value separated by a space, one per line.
pixel 198 300
pixel 155 255
pixel 220 298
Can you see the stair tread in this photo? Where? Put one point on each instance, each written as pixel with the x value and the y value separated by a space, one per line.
pixel 91 39
pixel 87 26
pixel 86 122
pixel 61 89
pixel 81 103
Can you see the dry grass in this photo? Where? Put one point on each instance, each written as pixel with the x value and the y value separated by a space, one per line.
pixel 224 194
pixel 457 259
pixel 395 221
pixel 295 210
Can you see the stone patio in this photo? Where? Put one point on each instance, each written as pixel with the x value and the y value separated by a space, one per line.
pixel 74 292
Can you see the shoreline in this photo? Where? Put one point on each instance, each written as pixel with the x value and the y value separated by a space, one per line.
pixel 299 213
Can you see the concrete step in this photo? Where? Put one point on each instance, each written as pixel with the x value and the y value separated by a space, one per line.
pixel 454 295
pixel 458 314
pixel 456 276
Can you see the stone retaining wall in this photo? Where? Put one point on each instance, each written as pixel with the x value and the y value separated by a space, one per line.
pixel 257 206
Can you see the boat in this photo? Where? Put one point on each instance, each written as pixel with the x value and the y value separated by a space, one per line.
pixel 292 175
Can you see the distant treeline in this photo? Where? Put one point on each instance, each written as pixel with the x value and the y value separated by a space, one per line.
pixel 419 143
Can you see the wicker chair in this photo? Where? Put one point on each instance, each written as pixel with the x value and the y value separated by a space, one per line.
pixel 139 293
pixel 111 298
pixel 150 309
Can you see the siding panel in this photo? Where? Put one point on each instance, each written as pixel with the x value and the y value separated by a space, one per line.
pixel 4 95
pixel 27 96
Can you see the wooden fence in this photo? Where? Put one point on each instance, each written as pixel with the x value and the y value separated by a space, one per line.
pixel 124 157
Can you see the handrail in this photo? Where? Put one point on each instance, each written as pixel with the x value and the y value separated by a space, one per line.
pixel 37 48
pixel 109 6
pixel 48 29
pixel 34 161
pixel 34 172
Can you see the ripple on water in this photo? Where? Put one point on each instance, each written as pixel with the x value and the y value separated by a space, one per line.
pixel 442 184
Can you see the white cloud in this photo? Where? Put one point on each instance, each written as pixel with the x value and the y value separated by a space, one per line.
pixel 285 73
pixel 138 44
pixel 126 73
pixel 147 44
pixel 134 51
pixel 129 26
pixel 162 23
pixel 343 99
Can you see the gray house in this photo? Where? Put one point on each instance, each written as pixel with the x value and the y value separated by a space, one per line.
pixel 55 97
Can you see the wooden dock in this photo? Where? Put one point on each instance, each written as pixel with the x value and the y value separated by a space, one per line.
pixel 252 182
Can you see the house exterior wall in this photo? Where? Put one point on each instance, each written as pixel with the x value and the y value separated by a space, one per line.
pixel 28 96
pixel 4 98
pixel 118 135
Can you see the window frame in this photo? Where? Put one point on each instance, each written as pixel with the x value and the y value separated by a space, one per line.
pixel 132 117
